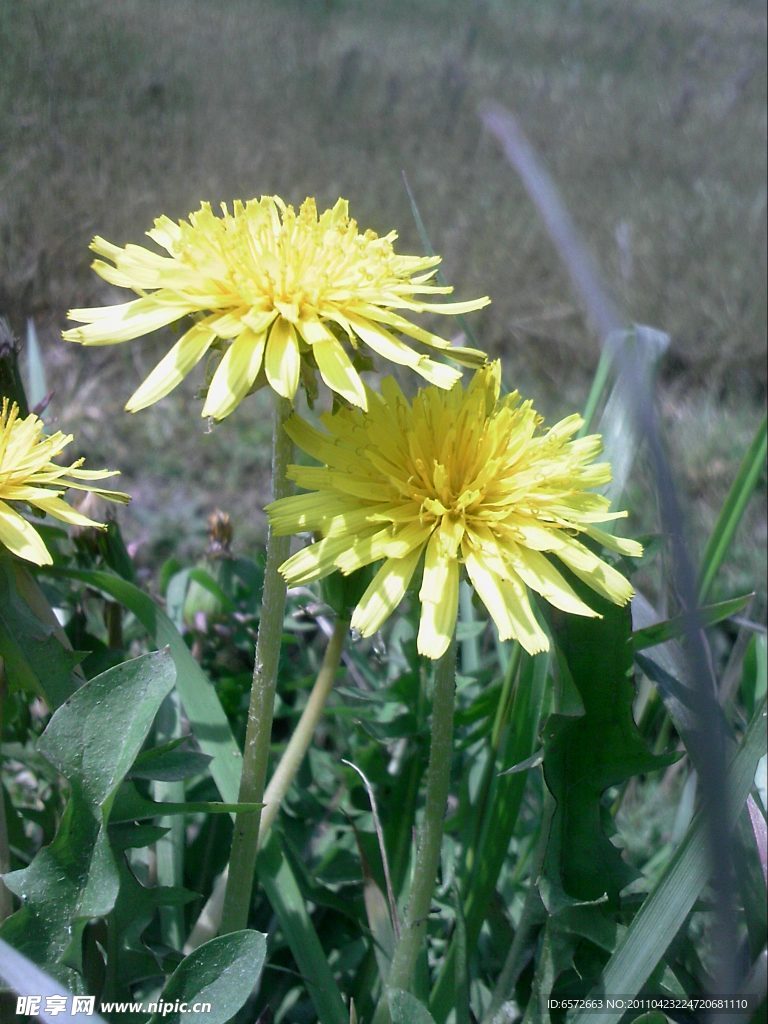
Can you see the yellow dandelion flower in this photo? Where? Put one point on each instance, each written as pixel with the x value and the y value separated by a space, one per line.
pixel 278 293
pixel 29 475
pixel 458 477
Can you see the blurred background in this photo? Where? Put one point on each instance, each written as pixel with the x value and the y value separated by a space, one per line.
pixel 650 115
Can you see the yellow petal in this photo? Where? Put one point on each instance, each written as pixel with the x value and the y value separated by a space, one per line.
pixel 110 325
pixel 439 374
pixel 61 510
pixel 386 344
pixel 21 537
pixel 235 374
pixel 535 570
pixel 339 374
pixel 384 593
pixel 508 605
pixel 623 545
pixel 283 361
pixel 439 596
pixel 316 561
pixel 596 573
pixel 384 543
pixel 172 368
pixel 315 331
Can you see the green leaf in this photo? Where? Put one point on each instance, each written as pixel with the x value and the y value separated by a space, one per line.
pixel 214 735
pixel 664 911
pixel 25 978
pixel 754 675
pixel 502 802
pixel 92 739
pixel 406 1009
pixel 222 972
pixel 751 468
pixel 672 629
pixel 134 909
pixel 10 377
pixel 38 657
pixel 585 755
pixel 285 896
pixel 131 805
pixel 207 719
pixel 169 765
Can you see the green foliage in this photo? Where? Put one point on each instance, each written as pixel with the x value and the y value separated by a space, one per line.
pixel 223 973
pixel 290 906
pixel 666 907
pixel 207 719
pixel 38 658
pixel 586 753
pixel 406 1009
pixel 321 880
pixel 76 878
pixel 751 469
pixel 540 889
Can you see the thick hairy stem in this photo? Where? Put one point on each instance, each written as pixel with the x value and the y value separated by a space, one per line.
pixel 245 840
pixel 208 922
pixel 414 927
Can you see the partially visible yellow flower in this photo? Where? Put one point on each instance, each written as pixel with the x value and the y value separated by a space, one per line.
pixel 29 475
pixel 278 293
pixel 459 477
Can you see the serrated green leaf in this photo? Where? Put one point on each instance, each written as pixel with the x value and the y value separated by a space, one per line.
pixel 80 739
pixel 37 654
pixel 76 878
pixel 134 909
pixel 128 836
pixel 222 973
pixel 504 799
pixel 131 805
pixel 207 719
pixel 585 755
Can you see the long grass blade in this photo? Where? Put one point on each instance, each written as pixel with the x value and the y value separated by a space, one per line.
pixel 288 903
pixel 439 276
pixel 666 908
pixel 672 629
pixel 752 466
pixel 605 314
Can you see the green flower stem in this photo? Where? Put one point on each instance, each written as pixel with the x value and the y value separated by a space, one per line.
pixel 245 840
pixel 6 900
pixel 208 923
pixel 414 927
pixel 302 735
